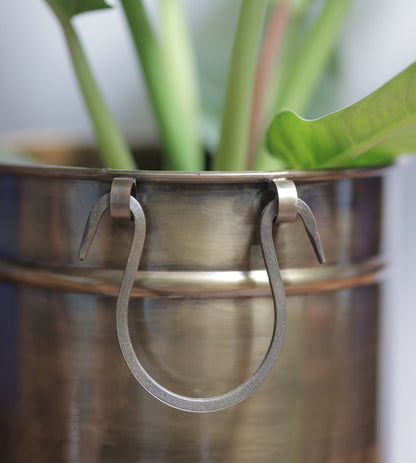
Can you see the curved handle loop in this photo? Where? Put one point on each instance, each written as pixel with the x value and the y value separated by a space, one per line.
pixel 190 404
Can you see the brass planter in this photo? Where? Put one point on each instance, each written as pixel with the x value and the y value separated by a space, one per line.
pixel 200 317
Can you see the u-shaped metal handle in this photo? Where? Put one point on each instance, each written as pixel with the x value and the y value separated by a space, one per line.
pixel 123 205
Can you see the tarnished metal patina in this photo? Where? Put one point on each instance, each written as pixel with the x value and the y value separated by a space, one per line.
pixel 200 317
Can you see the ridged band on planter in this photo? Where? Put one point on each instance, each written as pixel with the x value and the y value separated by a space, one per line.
pixel 123 205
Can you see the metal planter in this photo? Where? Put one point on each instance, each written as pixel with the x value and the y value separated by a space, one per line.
pixel 201 318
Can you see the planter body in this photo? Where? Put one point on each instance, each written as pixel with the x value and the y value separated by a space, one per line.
pixel 200 318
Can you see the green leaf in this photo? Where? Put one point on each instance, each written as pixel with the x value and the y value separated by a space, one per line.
pixel 372 131
pixel 66 9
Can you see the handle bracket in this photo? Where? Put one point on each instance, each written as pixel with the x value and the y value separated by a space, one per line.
pixel 123 205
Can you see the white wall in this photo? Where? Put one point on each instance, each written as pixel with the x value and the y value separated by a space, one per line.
pixel 38 94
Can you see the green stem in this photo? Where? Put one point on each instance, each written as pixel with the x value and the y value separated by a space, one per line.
pixel 113 148
pixel 300 78
pixel 301 70
pixel 178 145
pixel 234 138
pixel 180 62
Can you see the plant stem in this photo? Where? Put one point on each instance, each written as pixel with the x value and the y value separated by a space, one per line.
pixel 233 145
pixel 177 140
pixel 270 48
pixel 112 146
pixel 301 77
pixel 179 58
pixel 301 71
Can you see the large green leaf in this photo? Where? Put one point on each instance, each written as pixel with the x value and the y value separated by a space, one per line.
pixel 372 131
pixel 65 9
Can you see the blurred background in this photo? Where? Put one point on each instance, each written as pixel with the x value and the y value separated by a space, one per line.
pixel 39 99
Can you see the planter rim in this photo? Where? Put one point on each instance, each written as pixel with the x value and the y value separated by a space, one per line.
pixel 169 198
pixel 105 174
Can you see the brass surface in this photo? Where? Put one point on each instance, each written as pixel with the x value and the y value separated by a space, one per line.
pixel 67 395
pixel 71 398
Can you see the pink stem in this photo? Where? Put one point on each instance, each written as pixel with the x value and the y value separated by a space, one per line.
pixel 269 52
